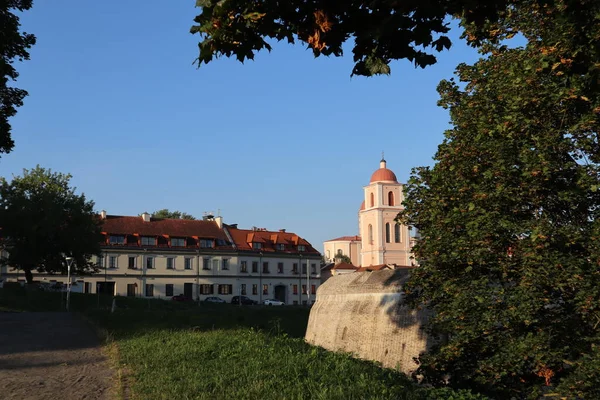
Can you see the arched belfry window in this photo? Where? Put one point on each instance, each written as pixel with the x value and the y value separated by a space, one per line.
pixel 372 200
pixel 387 232
pixel 397 233
pixel 390 198
pixel 370 234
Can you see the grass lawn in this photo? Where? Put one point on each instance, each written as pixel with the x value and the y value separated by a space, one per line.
pixel 171 351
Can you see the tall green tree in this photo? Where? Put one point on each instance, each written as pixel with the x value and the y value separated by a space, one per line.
pixel 508 215
pixel 14 45
pixel 43 220
pixel 165 213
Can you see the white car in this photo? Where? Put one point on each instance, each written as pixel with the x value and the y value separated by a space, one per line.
pixel 273 302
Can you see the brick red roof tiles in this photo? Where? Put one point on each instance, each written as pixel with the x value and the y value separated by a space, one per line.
pixel 243 239
pixel 121 225
pixel 344 266
pixel 346 239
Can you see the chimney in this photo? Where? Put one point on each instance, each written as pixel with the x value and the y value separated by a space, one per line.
pixel 282 230
pixel 103 214
pixel 219 221
pixel 146 216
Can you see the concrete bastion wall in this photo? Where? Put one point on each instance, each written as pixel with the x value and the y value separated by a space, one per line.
pixel 362 313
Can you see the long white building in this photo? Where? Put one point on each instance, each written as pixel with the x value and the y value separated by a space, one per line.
pixel 150 257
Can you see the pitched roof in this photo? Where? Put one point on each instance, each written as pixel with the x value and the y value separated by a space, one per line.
pixel 345 239
pixel 122 225
pixel 243 239
pixel 344 266
pixel 381 267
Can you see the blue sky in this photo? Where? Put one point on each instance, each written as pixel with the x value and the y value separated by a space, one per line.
pixel 286 141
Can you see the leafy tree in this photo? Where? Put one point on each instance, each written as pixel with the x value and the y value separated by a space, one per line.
pixel 342 258
pixel 43 221
pixel 165 213
pixel 14 45
pixel 508 215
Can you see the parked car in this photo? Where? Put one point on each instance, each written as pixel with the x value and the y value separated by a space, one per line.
pixel 182 298
pixel 214 299
pixel 246 301
pixel 273 302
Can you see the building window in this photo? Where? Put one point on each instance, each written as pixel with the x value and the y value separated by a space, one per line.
pixel 149 262
pixel 295 268
pixel 303 289
pixel 370 234
pixel 265 268
pixel 295 289
pixel 206 264
pixel 313 289
pixel 177 242
pixel 149 290
pixel 169 289
pixel 397 233
pixel 112 262
pixel 265 289
pixel 130 289
pixel 205 243
pixel 254 266
pixel 301 247
pixel 390 198
pixel 328 255
pixel 215 264
pixel 170 263
pixel 117 239
pixel 304 266
pixel 256 245
pixel 148 241
pixel 206 289
pixel 225 289
pixel 187 264
pixel 225 264
pixel 387 232
pixel 339 252
pixel 244 266
pixel 313 268
pixel 372 202
pixel 280 268
pixel 280 246
pixel 243 289
pixel 100 261
pixel 254 288
pixel 131 264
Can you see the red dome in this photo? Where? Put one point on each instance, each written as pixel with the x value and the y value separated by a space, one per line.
pixel 383 174
pixel 362 206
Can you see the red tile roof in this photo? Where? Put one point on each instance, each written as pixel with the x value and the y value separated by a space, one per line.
pixel 381 267
pixel 121 225
pixel 243 239
pixel 344 266
pixel 346 239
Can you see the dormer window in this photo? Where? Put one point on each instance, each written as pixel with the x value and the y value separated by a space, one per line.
pixel 256 245
pixel 301 247
pixel 117 239
pixel 148 241
pixel 177 242
pixel 280 246
pixel 205 243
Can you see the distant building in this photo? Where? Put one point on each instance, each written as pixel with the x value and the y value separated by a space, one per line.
pixel 381 241
pixel 151 257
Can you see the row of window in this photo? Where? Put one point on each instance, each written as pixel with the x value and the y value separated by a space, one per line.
pixel 223 289
pixel 207 264
pixel 153 241
pixel 390 197
pixel 278 246
pixel 387 233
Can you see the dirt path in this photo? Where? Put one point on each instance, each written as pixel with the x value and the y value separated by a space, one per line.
pixel 51 356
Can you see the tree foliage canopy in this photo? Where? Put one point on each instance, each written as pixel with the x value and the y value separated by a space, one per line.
pixel 43 221
pixel 508 215
pixel 382 30
pixel 165 213
pixel 14 45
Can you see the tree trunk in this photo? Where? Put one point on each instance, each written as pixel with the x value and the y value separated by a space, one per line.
pixel 28 275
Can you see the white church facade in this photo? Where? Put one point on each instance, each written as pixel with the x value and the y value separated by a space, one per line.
pixel 381 240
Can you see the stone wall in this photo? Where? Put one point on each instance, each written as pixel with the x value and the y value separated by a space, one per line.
pixel 362 313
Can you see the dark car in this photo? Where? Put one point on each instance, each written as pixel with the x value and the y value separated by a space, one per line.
pixel 182 298
pixel 246 301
